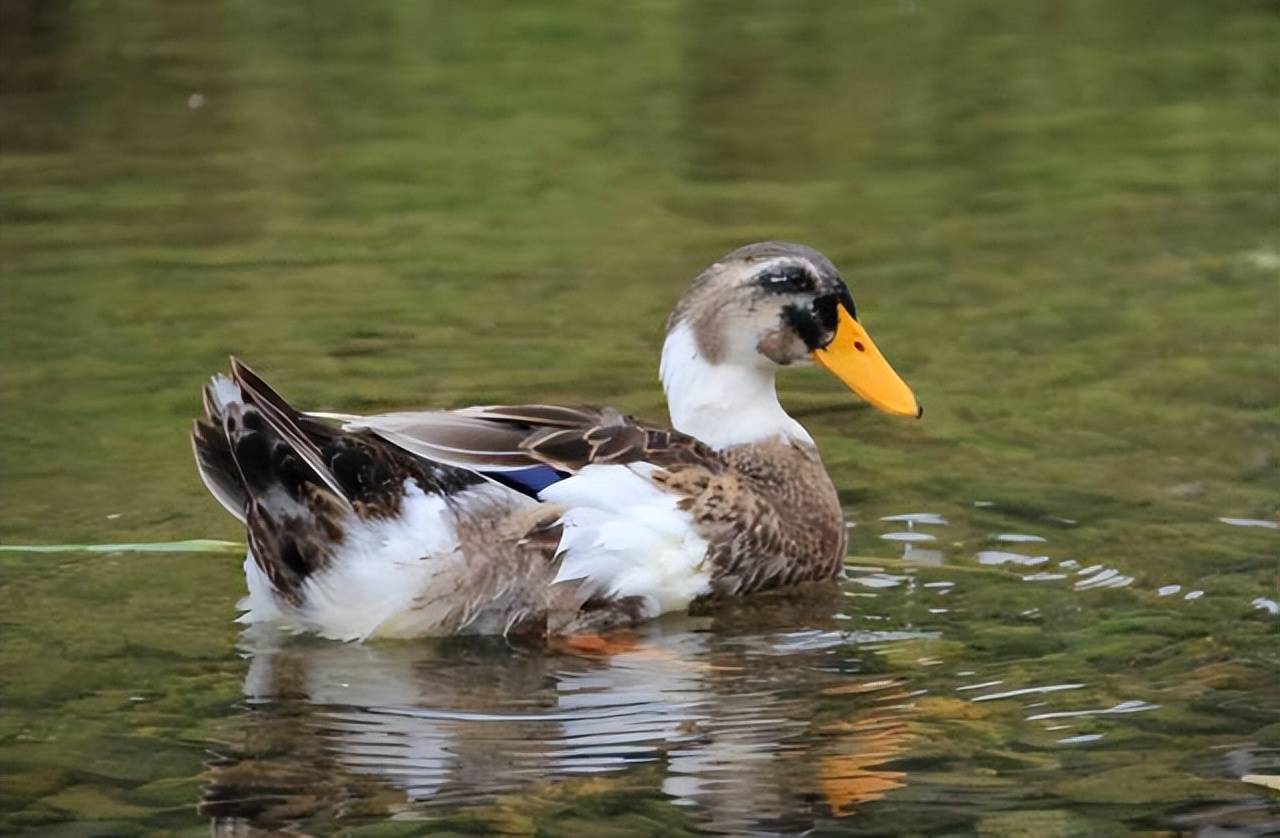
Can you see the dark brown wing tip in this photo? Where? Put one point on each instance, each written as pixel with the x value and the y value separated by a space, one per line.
pixel 244 375
pixel 206 397
pixel 240 370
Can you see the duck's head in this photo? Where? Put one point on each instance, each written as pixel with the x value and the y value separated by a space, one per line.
pixel 761 307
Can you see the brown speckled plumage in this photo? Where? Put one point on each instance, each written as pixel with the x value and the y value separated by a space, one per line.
pixel 771 514
pixel 769 509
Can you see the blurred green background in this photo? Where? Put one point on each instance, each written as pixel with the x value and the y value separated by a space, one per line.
pixel 1059 220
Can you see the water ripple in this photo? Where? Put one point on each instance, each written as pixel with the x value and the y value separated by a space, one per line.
pixel 927 518
pixel 1019 538
pixel 1251 522
pixel 999 557
pixel 1122 707
pixel 1027 691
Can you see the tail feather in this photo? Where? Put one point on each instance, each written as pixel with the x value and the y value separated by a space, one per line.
pixel 306 490
pixel 283 420
pixel 215 462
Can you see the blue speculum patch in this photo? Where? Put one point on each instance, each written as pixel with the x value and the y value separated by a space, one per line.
pixel 530 481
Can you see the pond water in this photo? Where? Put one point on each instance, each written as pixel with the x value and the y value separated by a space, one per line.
pixel 1060 221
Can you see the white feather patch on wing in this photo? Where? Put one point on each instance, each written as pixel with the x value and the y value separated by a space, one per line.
pixel 626 536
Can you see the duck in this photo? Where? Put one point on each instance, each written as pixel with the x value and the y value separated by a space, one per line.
pixel 550 521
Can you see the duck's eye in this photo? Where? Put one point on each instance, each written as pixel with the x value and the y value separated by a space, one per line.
pixel 786 279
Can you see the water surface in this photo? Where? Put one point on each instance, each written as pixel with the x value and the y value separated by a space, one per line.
pixel 1058 220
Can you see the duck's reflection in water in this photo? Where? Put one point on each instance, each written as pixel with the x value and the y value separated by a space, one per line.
pixel 759 718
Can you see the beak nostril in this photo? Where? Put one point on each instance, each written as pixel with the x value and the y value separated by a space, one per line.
pixel 857 344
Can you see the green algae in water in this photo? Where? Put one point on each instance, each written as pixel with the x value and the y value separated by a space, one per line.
pixel 193 545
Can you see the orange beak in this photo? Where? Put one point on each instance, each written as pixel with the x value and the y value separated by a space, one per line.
pixel 853 358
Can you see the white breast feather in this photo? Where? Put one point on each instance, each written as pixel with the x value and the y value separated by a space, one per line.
pixel 625 536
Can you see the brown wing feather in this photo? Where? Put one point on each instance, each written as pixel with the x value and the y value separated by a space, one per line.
pixel 520 436
pixel 542 415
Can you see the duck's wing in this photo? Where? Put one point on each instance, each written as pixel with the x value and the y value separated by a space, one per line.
pixel 498 438
pixel 623 541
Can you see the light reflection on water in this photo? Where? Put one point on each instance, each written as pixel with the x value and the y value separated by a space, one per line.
pixel 728 720
pixel 782 715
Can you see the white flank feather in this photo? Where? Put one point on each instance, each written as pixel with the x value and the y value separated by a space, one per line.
pixel 726 404
pixel 624 536
pixel 390 578
pixel 259 605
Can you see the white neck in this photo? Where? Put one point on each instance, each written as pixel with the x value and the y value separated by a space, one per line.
pixel 723 405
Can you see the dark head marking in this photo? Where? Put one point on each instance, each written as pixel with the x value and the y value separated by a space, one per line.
pixel 841 293
pixel 816 322
pixel 786 279
pixel 804 321
pixel 826 309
